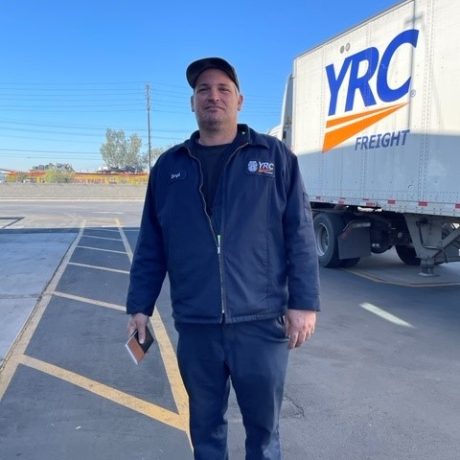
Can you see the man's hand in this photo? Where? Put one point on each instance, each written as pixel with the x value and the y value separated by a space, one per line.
pixel 138 321
pixel 300 326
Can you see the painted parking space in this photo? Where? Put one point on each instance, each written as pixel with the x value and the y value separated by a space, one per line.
pixel 106 259
pixel 69 382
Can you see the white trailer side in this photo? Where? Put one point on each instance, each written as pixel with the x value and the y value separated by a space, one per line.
pixel 374 116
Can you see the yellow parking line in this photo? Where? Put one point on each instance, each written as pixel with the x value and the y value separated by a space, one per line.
pixel 17 356
pixel 167 353
pixel 19 347
pixel 123 399
pixel 172 370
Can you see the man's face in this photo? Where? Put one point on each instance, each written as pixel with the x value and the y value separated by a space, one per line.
pixel 216 100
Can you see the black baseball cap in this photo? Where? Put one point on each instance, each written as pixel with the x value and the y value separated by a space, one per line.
pixel 196 68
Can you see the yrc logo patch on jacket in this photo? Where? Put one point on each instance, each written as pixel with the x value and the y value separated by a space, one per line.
pixel 261 167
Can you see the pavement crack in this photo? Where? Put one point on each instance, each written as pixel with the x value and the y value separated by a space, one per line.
pixel 291 409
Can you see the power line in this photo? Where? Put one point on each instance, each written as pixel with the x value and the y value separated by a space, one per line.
pixel 34 91
pixel 48 151
pixel 12 136
pixel 72 110
pixel 35 158
pixel 58 126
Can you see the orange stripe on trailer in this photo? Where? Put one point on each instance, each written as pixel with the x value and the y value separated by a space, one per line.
pixel 423 203
pixel 365 119
pixel 347 118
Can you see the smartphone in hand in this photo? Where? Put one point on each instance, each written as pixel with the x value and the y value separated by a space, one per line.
pixel 136 349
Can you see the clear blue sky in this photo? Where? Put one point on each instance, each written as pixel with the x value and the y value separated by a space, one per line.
pixel 70 70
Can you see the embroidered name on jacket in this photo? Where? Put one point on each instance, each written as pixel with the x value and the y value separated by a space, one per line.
pixel 261 167
pixel 177 175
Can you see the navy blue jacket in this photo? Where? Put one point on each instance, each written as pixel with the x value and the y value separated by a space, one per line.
pixel 252 259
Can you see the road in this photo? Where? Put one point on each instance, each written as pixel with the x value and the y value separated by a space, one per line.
pixel 380 379
pixel 64 214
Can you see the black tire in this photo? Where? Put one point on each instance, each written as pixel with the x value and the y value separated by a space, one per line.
pixel 348 263
pixel 408 255
pixel 328 227
pixel 376 250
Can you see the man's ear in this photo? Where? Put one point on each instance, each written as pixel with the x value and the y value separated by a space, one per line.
pixel 191 103
pixel 240 102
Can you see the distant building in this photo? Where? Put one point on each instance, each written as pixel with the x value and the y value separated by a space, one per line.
pixel 60 166
pixel 124 169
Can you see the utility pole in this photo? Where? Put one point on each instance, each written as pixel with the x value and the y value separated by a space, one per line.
pixel 147 95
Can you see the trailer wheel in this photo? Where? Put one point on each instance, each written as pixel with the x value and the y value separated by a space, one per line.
pixel 407 254
pixel 348 263
pixel 327 228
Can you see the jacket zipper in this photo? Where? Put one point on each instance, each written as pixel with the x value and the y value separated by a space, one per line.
pixel 217 238
pixel 221 276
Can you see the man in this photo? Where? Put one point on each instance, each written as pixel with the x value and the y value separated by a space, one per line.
pixel 227 217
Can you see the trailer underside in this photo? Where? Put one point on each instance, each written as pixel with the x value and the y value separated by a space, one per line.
pixel 345 234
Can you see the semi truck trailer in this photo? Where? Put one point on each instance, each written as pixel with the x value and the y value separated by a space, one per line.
pixel 373 115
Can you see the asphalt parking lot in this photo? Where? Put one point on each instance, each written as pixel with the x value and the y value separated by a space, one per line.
pixel 69 389
pixel 366 387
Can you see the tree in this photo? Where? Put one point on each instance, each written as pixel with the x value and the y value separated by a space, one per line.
pixel 156 152
pixel 119 152
pixel 58 175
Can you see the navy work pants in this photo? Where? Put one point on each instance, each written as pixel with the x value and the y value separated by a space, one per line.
pixel 253 355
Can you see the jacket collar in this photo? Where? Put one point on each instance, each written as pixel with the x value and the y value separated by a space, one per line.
pixel 248 136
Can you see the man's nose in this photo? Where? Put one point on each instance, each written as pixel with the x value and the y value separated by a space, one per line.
pixel 214 94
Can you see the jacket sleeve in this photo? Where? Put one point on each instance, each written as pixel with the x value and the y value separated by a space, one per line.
pixel 302 260
pixel 148 268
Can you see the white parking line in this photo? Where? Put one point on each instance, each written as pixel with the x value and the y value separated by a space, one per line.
pixel 102 229
pixel 101 249
pixel 99 303
pixel 100 237
pixel 99 267
pixel 385 315
pixel 108 212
